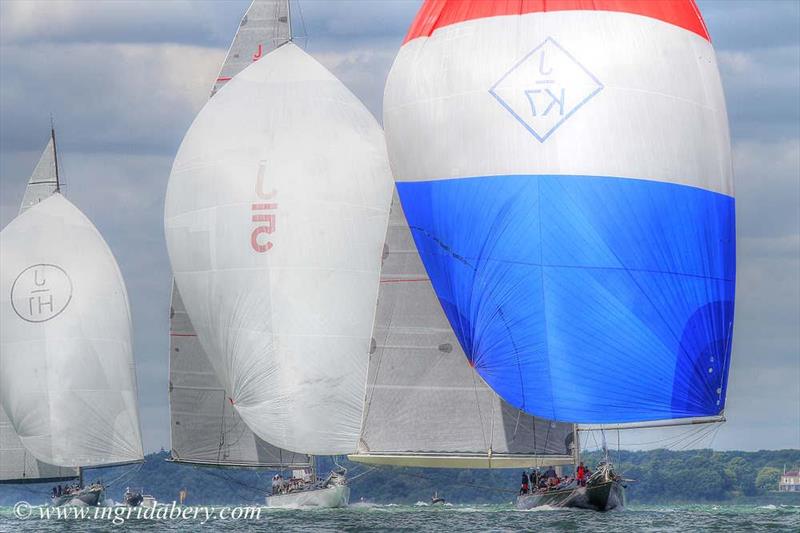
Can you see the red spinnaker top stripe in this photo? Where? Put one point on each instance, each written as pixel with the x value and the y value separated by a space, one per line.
pixel 436 14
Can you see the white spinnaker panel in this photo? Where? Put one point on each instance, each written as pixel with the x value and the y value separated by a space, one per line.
pixel 275 216
pixel 458 104
pixel 66 363
pixel 206 429
pixel 18 465
pixel 44 181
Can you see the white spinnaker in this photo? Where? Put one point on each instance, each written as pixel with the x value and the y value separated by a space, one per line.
pixel 66 363
pixel 275 217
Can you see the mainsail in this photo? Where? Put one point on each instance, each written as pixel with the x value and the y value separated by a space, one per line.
pixel 17 465
pixel 275 216
pixel 67 380
pixel 565 169
pixel 425 406
pixel 44 180
pixel 265 26
pixel 205 428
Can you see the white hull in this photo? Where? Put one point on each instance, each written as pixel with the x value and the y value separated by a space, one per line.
pixel 337 496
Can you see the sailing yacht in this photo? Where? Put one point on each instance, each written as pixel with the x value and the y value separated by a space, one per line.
pixel 275 216
pixel 17 464
pixel 67 379
pixel 565 172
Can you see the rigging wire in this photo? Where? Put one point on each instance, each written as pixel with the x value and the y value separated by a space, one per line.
pixel 128 473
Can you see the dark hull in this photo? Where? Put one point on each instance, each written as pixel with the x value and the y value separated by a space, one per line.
pixel 92 497
pixel 599 497
pixel 133 500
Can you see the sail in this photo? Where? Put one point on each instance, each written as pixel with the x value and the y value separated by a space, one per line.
pixel 18 465
pixel 565 169
pixel 44 180
pixel 264 27
pixel 206 429
pixel 425 406
pixel 204 426
pixel 67 380
pixel 275 216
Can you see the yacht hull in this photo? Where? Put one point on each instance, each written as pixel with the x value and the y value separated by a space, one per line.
pixel 599 497
pixel 330 497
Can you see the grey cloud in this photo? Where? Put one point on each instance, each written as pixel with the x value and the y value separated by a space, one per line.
pixel 122 21
pixel 114 97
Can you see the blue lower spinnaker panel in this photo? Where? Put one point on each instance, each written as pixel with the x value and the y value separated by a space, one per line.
pixel 583 298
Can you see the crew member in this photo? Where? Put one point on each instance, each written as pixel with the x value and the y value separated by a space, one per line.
pixel 580 475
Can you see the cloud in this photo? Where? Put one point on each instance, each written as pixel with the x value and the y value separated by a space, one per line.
pixel 112 97
pixel 120 21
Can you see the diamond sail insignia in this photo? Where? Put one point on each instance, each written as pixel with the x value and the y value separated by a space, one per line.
pixel 275 216
pixel 67 379
pixel 204 427
pixel 425 406
pixel 572 201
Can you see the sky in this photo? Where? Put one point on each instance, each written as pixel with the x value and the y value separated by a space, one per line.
pixel 124 79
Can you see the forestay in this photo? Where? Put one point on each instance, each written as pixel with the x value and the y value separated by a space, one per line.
pixel 67 380
pixel 425 406
pixel 275 217
pixel 205 428
pixel 565 169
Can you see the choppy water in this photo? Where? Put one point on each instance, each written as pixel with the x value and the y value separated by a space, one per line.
pixel 366 517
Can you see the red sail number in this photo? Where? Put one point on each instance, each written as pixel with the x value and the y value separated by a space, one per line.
pixel 263 214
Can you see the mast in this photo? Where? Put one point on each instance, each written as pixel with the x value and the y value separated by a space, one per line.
pixel 576 444
pixel 289 19
pixel 55 153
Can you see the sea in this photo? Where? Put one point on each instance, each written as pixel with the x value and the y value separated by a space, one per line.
pixel 424 517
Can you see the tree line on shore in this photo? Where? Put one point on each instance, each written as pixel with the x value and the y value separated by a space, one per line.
pixel 659 476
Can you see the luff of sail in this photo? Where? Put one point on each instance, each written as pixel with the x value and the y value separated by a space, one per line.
pixel 572 200
pixel 206 429
pixel 204 426
pixel 67 381
pixel 425 406
pixel 275 217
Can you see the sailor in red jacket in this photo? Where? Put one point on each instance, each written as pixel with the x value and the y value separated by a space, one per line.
pixel 580 475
